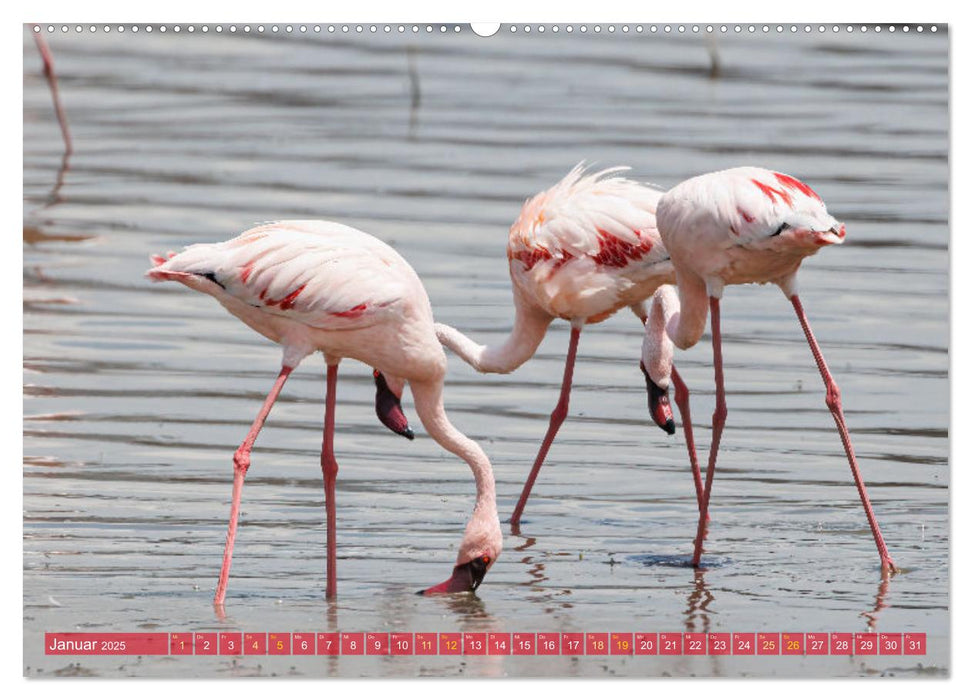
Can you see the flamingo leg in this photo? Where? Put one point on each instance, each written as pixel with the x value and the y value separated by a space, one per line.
pixel 684 408
pixel 241 462
pixel 48 58
pixel 835 405
pixel 717 424
pixel 328 464
pixel 556 420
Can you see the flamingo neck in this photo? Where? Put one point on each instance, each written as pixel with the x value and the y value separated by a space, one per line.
pixel 528 331
pixel 677 319
pixel 482 534
pixel 657 350
pixel 431 411
pixel 685 312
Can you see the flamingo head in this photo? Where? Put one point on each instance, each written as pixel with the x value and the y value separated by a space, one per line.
pixel 811 230
pixel 658 404
pixel 387 404
pixel 657 357
pixel 785 211
pixel 480 548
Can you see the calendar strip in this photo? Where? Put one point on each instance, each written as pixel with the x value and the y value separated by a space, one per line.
pixel 106 644
pixel 487 644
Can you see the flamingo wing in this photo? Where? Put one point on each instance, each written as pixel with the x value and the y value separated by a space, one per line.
pixel 320 274
pixel 598 216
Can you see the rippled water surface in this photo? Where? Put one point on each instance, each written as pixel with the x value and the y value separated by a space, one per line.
pixel 136 394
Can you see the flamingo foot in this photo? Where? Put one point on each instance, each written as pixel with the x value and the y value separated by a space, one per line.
pixel 658 404
pixel 465 578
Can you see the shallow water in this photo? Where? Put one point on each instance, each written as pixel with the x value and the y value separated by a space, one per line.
pixel 136 394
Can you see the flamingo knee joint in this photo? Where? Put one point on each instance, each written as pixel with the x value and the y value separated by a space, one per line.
pixel 241 460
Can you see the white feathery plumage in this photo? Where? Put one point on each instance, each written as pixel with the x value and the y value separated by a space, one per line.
pixel 581 250
pixel 740 226
pixel 314 285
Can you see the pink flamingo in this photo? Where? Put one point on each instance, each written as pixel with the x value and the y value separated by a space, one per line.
pixel 315 285
pixel 733 227
pixel 582 250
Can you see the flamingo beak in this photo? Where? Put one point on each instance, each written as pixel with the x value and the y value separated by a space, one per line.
pixel 658 404
pixel 834 235
pixel 465 577
pixel 388 408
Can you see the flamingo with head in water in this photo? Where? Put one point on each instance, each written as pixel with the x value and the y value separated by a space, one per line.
pixel 315 285
pixel 733 227
pixel 582 250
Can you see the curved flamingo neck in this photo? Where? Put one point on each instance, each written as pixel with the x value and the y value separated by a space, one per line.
pixel 482 533
pixel 431 411
pixel 657 350
pixel 528 331
pixel 677 318
pixel 685 314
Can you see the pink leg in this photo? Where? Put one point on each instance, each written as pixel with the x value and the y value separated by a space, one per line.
pixel 684 408
pixel 556 420
pixel 45 54
pixel 836 408
pixel 241 462
pixel 717 425
pixel 328 464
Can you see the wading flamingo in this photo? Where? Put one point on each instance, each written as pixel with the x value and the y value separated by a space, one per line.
pixel 733 227
pixel 582 250
pixel 315 285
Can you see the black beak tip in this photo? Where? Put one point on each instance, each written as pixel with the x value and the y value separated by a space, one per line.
pixel 421 592
pixel 478 569
pixel 669 427
pixel 408 433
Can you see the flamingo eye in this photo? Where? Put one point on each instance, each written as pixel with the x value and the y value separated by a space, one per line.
pixel 782 227
pixel 486 559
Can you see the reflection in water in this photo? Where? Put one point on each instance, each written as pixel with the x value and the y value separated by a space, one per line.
pixel 696 615
pixel 184 138
pixel 470 612
pixel 54 197
pixel 333 662
pixel 34 235
pixel 536 568
pixel 220 610
pixel 714 69
pixel 880 602
pixel 470 608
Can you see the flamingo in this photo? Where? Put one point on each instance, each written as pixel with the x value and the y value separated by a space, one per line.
pixel 582 250
pixel 734 227
pixel 315 285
